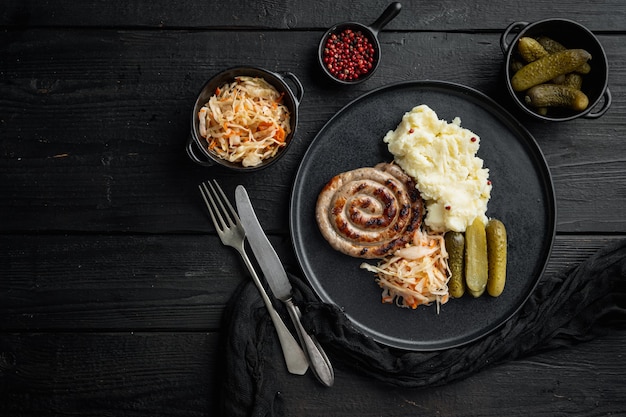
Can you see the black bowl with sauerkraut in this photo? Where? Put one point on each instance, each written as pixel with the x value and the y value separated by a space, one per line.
pixel 244 118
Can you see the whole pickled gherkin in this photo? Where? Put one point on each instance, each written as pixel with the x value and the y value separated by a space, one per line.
pixel 476 294
pixel 530 49
pixel 550 44
pixel 553 46
pixel 455 246
pixel 548 67
pixel 554 95
pixel 476 261
pixel 573 80
pixel 497 256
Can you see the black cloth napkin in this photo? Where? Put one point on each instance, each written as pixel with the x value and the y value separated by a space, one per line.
pixel 566 308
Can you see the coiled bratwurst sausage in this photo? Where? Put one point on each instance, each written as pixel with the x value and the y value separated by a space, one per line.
pixel 369 212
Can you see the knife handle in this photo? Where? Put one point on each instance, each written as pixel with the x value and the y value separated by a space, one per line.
pixel 319 362
pixel 295 358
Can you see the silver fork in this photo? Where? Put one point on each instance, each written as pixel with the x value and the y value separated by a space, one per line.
pixel 231 233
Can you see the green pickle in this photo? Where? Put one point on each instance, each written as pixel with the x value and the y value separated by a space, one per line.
pixel 530 49
pixel 476 261
pixel 554 95
pixel 552 46
pixel 476 294
pixel 455 246
pixel 497 256
pixel 573 80
pixel 550 66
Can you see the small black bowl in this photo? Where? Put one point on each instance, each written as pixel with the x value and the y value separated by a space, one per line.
pixel 571 35
pixel 370 32
pixel 197 144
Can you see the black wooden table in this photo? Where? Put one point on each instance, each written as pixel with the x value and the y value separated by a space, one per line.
pixel 112 279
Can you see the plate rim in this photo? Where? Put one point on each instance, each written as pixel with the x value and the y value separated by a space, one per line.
pixel 502 114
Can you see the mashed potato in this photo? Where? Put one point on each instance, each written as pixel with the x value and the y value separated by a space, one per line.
pixel 442 158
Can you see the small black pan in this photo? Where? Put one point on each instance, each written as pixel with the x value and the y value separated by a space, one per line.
pixel 573 35
pixel 196 145
pixel 370 32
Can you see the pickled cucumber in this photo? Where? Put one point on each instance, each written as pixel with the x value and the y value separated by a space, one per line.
pixel 548 67
pixel 552 46
pixel 530 49
pixel 573 80
pixel 497 256
pixel 554 95
pixel 516 65
pixel 455 246
pixel 476 261
pixel 476 294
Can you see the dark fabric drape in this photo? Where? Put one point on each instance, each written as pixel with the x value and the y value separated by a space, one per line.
pixel 567 307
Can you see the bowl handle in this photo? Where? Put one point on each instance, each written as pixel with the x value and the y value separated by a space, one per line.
pixel 607 103
pixel 387 16
pixel 513 26
pixel 299 93
pixel 191 152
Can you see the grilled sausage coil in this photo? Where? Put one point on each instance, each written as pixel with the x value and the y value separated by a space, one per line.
pixel 369 212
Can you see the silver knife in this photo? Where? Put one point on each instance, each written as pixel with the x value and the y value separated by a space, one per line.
pixel 277 279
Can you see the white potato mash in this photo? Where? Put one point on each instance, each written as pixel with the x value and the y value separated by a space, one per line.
pixel 441 157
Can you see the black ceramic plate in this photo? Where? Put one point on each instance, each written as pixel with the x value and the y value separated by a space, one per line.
pixel 522 197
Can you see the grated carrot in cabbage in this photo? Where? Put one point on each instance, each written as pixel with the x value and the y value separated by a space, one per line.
pixel 417 274
pixel 245 121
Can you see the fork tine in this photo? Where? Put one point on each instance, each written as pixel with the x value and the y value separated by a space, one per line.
pixel 231 214
pixel 216 216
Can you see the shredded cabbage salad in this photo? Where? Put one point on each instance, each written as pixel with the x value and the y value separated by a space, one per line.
pixel 245 121
pixel 417 274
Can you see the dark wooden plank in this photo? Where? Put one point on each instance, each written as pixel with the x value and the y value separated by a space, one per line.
pixel 79 155
pixel 126 283
pixel 129 374
pixel 116 282
pixel 112 282
pixel 586 380
pixel 177 374
pixel 135 283
pixel 289 14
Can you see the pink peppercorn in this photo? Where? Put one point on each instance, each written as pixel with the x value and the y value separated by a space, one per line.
pixel 348 55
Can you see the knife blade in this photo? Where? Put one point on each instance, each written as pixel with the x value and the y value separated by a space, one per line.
pixel 278 282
